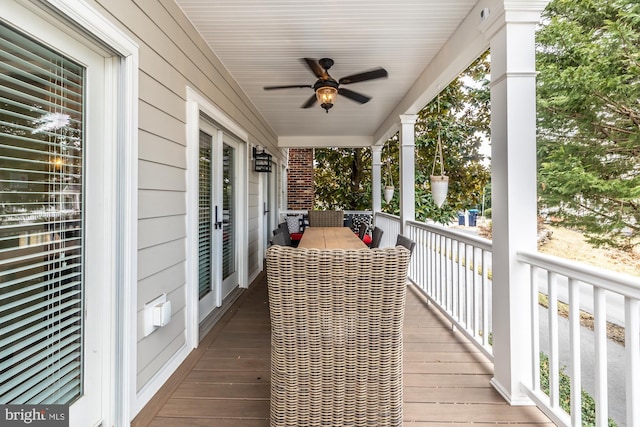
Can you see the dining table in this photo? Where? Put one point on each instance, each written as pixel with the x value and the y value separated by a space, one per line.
pixel 330 238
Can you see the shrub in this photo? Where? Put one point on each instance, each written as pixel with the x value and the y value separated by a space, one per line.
pixel 588 404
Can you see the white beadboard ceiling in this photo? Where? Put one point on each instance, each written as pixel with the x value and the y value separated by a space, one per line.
pixel 262 43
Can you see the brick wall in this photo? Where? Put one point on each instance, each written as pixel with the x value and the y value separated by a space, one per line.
pixel 300 192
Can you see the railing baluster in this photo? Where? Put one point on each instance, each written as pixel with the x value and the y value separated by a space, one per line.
pixel 554 364
pixel 443 272
pixel 574 340
pixel 453 277
pixel 449 277
pixel 535 326
pixel 600 331
pixel 486 330
pixel 432 264
pixel 469 283
pixel 460 284
pixel 632 352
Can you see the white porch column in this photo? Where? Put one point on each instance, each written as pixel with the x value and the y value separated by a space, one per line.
pixel 510 28
pixel 407 169
pixel 376 178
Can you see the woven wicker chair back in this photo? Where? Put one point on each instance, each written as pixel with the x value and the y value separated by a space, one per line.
pixel 326 218
pixel 280 238
pixel 376 237
pixel 406 242
pixel 362 231
pixel 336 336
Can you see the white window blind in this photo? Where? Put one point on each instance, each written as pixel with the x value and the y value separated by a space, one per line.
pixel 205 241
pixel 228 212
pixel 41 223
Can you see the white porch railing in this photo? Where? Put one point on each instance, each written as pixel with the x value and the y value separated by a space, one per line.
pixel 592 290
pixel 390 225
pixel 356 216
pixel 453 269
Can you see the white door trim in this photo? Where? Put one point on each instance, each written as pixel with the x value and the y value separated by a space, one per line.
pixel 197 104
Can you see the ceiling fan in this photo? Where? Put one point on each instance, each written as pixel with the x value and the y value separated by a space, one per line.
pixel 327 88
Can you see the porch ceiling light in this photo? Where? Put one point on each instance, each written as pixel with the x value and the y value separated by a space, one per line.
pixel 326 93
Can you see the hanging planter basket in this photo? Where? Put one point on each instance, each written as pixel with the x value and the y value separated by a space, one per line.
pixel 439 183
pixel 388 193
pixel 388 188
pixel 439 189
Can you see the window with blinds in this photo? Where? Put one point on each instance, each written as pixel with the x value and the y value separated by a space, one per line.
pixel 41 223
pixel 205 236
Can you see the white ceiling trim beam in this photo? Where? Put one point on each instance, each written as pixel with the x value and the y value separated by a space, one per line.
pixel 462 48
pixel 325 141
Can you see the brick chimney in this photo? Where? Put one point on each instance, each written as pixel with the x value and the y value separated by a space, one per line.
pixel 300 191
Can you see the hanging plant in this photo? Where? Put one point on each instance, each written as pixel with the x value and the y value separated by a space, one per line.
pixel 388 188
pixel 439 183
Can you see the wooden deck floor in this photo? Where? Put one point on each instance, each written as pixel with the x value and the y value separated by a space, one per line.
pixel 225 382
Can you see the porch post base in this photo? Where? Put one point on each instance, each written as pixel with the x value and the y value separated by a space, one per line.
pixel 519 400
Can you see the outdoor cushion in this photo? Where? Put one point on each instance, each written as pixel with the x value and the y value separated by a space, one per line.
pixel 293 222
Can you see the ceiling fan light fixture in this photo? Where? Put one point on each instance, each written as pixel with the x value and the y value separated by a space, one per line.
pixel 326 89
pixel 326 96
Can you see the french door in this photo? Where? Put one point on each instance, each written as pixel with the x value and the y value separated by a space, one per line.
pixel 55 275
pixel 218 213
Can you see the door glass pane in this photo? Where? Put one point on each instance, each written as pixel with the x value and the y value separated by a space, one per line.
pixel 228 214
pixel 41 223
pixel 204 218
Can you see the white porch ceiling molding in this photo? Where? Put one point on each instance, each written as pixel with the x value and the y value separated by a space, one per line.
pixel 423 44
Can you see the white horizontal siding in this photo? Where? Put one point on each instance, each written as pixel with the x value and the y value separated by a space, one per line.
pixel 158 176
pixel 158 122
pixel 164 281
pixel 155 203
pixel 156 231
pixel 157 149
pixel 157 258
pixel 160 355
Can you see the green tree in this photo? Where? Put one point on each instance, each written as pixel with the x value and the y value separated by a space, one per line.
pixel 589 117
pixel 342 178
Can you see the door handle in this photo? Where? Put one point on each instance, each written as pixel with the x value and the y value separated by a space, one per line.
pixel 264 209
pixel 217 224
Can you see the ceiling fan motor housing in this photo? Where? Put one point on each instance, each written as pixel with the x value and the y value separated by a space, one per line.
pixel 325 63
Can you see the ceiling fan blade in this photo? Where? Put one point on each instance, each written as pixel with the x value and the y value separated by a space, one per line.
pixel 285 87
pixel 358 97
pixel 315 67
pixel 310 102
pixel 367 75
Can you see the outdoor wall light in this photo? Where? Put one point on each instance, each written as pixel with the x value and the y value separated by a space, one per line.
pixel 261 160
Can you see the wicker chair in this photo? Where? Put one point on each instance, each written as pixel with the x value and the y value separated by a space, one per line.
pixel 362 231
pixel 406 242
pixel 336 336
pixel 326 218
pixel 376 237
pixel 279 239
